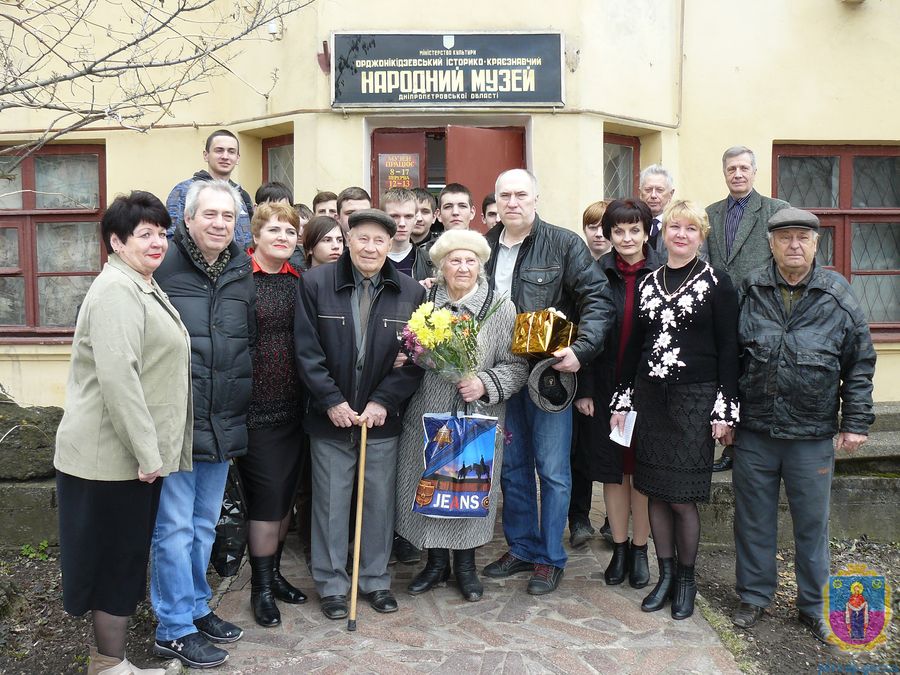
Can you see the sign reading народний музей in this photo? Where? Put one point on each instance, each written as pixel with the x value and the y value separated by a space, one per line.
pixel 447 70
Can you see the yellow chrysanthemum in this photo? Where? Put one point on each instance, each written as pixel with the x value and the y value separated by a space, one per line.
pixel 442 320
pixel 418 322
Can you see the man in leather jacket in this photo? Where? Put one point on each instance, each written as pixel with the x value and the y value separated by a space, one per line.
pixel 806 352
pixel 538 265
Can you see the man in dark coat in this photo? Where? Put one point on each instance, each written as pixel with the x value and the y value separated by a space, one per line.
pixel 806 375
pixel 346 324
pixel 209 281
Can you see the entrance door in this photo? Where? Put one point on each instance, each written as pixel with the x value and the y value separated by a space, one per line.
pixel 476 156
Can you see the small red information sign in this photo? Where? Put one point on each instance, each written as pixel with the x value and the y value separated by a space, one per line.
pixel 398 170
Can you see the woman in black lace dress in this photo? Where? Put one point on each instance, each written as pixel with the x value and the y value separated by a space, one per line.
pixel 679 373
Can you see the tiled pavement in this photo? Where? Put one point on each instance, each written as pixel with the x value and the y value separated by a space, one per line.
pixel 584 627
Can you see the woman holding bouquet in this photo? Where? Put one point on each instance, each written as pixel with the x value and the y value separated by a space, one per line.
pixel 459 257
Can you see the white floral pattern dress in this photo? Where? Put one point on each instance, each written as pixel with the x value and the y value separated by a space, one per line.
pixel 680 373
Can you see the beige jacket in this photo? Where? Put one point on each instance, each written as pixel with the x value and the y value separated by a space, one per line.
pixel 128 397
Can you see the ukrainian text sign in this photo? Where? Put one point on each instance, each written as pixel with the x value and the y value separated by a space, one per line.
pixel 459 69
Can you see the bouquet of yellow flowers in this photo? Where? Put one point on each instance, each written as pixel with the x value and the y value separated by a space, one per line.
pixel 438 339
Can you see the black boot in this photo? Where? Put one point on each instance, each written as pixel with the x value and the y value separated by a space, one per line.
pixel 618 565
pixel 265 611
pixel 685 592
pixel 638 569
pixel 467 575
pixel 664 588
pixel 281 589
pixel 435 573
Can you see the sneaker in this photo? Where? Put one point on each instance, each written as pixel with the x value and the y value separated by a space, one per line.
pixel 579 534
pixel 404 552
pixel 606 533
pixel 545 579
pixel 193 650
pixel 506 566
pixel 216 629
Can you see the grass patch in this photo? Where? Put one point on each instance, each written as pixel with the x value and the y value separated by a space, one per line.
pixel 734 641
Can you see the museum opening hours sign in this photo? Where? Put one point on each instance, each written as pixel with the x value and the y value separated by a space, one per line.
pixel 458 69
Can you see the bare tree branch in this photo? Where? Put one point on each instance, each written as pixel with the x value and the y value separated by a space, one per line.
pixel 124 61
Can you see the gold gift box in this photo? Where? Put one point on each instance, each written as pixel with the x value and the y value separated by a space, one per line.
pixel 541 333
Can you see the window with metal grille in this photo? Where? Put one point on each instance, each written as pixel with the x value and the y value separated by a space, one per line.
pixel 855 191
pixel 621 166
pixel 50 244
pixel 278 161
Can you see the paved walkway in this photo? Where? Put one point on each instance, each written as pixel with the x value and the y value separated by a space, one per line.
pixel 584 627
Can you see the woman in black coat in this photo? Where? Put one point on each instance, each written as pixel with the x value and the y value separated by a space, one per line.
pixel 626 224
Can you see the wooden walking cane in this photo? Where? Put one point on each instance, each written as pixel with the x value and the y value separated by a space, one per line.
pixel 360 487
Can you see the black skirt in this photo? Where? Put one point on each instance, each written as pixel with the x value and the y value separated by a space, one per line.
pixel 271 469
pixel 674 443
pixel 105 528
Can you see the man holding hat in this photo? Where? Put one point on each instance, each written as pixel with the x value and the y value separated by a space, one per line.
pixel 806 351
pixel 538 266
pixel 347 318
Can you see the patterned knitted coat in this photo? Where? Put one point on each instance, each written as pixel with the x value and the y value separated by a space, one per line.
pixel 503 374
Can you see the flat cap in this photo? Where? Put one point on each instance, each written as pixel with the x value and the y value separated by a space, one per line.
pixel 791 217
pixel 376 216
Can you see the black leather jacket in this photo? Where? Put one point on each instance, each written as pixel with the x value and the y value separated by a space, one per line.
pixel 555 269
pixel 221 320
pixel 798 370
pixel 325 346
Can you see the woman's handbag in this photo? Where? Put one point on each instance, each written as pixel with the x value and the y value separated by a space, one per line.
pixel 458 457
pixel 233 527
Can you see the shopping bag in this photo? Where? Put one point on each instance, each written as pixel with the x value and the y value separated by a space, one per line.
pixel 232 529
pixel 458 458
pixel 541 333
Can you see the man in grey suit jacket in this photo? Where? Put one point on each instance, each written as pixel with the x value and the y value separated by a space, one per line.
pixel 737 241
pixel 656 188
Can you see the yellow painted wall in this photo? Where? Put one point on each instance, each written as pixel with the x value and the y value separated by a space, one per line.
pixel 690 78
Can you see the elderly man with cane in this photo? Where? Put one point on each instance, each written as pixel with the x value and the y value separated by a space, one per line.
pixel 346 322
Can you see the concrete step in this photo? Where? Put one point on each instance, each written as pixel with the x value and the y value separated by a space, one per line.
pixel 28 513
pixel 880 454
pixel 887 417
pixel 859 505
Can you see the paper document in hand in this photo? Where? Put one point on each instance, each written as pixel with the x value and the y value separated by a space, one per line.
pixel 624 438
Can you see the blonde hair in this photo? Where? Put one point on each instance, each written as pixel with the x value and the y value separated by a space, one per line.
pixel 267 210
pixel 689 211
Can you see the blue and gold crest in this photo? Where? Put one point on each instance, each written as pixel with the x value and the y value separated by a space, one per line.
pixel 858 607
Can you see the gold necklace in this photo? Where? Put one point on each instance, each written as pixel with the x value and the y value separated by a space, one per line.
pixel 683 281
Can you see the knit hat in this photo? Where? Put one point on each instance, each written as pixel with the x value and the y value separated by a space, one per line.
pixel 460 240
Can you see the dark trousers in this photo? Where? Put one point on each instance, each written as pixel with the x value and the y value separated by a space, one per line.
pixel 582 488
pixel 761 463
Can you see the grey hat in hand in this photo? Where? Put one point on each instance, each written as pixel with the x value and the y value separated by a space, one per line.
pixel 551 390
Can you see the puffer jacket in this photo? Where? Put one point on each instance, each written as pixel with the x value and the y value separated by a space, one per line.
pixel 221 320
pixel 555 269
pixel 325 345
pixel 798 372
